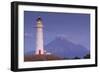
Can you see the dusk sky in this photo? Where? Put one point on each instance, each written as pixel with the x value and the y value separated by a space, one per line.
pixel 74 27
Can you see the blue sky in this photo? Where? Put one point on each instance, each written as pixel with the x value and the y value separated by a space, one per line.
pixel 72 26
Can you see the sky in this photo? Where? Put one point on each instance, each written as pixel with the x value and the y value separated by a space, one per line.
pixel 72 26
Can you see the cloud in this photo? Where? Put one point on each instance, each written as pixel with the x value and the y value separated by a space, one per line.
pixel 28 35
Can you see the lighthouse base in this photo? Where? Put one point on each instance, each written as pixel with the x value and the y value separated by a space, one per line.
pixel 39 52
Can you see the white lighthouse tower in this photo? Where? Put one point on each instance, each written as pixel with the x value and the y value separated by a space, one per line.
pixel 39 37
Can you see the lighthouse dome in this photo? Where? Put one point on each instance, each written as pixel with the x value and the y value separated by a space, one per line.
pixel 39 19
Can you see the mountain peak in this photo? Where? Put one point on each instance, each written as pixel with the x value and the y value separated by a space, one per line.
pixel 61 38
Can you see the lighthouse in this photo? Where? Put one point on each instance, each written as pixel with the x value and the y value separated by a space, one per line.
pixel 39 37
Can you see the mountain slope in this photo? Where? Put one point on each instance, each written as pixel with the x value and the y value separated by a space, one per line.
pixel 66 49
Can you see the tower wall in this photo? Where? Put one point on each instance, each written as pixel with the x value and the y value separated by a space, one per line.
pixel 39 41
